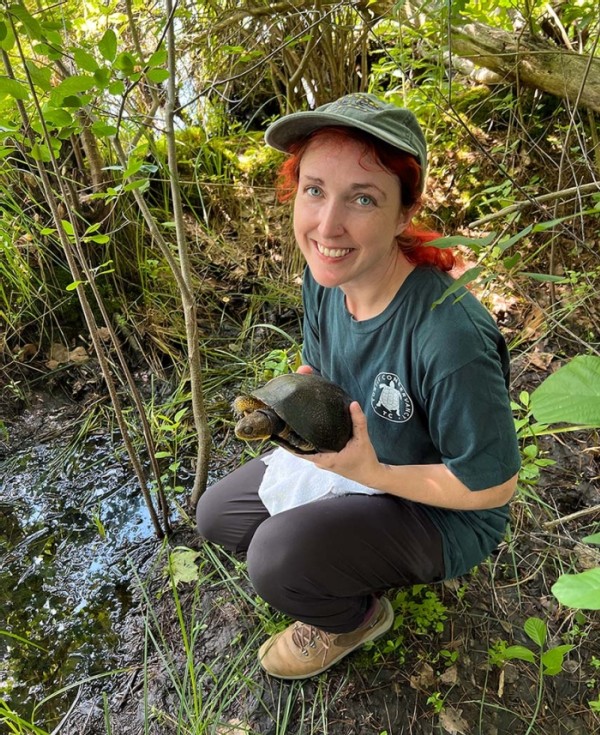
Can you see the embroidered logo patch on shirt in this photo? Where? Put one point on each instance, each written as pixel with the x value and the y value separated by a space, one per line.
pixel 390 399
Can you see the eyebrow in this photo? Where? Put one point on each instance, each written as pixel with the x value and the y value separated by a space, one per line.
pixel 357 186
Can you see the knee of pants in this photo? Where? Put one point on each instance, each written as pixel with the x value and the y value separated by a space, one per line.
pixel 209 518
pixel 279 564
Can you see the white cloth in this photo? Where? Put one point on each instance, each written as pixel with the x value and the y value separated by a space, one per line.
pixel 290 481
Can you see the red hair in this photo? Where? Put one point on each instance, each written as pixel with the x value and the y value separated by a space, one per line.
pixel 413 240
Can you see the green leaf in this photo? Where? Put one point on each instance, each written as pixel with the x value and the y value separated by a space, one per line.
pixel 67 227
pixel 157 75
pixel 75 84
pixel 581 591
pixel 519 652
pixel 506 243
pixel 117 87
pixel 511 261
pixel 13 88
pixel 141 184
pixel 543 277
pixel 570 395
pixel 182 565
pixel 85 60
pixel 468 276
pixel 103 130
pixel 125 63
pixel 108 45
pixel 41 152
pixel 102 76
pixel 28 21
pixel 552 660
pixel 474 244
pixel 7 37
pixel 40 76
pixel 98 239
pixel 57 117
pixel 593 539
pixel 72 101
pixel 536 629
pixel 158 58
pixel 73 286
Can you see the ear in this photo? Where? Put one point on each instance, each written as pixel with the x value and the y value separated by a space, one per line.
pixel 406 216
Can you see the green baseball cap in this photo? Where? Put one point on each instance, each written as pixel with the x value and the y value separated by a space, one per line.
pixel 395 125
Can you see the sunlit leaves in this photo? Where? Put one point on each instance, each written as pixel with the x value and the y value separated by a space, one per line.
pixel 108 45
pixel 13 88
pixel 85 60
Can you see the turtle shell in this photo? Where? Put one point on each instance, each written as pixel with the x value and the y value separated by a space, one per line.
pixel 314 408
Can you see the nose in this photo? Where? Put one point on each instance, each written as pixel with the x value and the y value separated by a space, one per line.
pixel 331 223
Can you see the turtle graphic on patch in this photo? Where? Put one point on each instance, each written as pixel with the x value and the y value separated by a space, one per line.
pixel 390 399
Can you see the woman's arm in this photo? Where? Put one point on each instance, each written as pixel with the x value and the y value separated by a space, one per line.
pixel 431 484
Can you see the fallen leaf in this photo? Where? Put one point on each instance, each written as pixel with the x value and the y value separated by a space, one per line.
pixel 452 722
pixel 78 355
pixel 59 353
pixel 541 360
pixel 25 353
pixel 424 678
pixel 450 676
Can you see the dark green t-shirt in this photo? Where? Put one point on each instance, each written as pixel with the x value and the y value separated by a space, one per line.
pixel 433 383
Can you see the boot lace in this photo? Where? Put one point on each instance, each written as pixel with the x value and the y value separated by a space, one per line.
pixel 307 637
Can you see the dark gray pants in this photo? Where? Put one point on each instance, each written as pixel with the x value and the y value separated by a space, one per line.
pixel 322 562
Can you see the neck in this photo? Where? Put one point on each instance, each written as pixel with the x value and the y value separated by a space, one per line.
pixel 365 301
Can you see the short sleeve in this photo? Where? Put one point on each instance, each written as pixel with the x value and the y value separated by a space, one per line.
pixel 471 423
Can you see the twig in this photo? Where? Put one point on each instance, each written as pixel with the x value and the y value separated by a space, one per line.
pixel 572 516
pixel 582 189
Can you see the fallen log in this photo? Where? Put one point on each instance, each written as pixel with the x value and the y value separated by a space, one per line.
pixel 534 62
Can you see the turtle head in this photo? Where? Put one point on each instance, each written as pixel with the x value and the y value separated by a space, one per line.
pixel 261 423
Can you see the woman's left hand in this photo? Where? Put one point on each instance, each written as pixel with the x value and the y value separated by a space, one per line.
pixel 357 460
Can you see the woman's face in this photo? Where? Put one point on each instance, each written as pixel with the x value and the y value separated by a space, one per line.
pixel 347 214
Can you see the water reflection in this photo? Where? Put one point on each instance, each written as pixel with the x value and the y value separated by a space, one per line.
pixel 66 524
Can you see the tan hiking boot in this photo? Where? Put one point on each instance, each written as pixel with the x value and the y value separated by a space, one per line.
pixel 302 650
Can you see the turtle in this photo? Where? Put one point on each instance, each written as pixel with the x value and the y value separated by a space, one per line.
pixel 303 412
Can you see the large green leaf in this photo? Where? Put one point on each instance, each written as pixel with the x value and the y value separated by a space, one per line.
pixel 581 591
pixel 571 395
pixel 13 88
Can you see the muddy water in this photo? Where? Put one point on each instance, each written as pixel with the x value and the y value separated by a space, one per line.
pixel 69 518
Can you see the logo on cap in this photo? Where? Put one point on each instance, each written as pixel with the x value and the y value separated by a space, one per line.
pixel 359 102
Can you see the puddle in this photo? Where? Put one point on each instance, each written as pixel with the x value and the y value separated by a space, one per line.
pixel 68 521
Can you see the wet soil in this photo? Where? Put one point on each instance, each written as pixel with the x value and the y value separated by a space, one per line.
pixel 414 683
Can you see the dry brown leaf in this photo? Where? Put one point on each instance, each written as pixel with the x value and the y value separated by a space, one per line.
pixel 450 676
pixel 534 324
pixel 424 678
pixel 27 352
pixel 78 355
pixel 59 353
pixel 452 722
pixel 541 360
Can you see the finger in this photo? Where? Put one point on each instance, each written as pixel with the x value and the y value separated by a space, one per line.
pixel 359 420
pixel 304 370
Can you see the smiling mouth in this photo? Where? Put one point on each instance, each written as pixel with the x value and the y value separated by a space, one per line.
pixel 333 252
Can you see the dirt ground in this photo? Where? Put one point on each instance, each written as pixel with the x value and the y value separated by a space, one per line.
pixel 436 682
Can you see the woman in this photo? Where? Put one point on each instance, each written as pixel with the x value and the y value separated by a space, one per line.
pixel 420 492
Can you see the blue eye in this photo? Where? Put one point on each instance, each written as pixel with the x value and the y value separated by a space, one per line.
pixel 313 191
pixel 365 200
